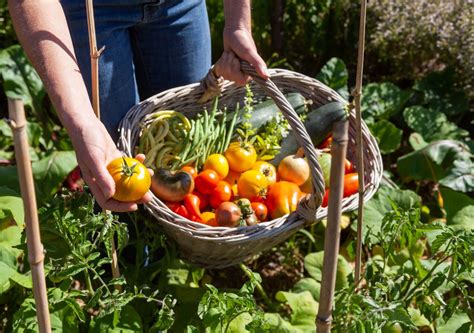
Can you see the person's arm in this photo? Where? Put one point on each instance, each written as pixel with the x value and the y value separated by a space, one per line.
pixel 238 42
pixel 43 32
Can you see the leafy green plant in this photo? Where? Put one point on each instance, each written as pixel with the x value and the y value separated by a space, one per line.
pixel 403 287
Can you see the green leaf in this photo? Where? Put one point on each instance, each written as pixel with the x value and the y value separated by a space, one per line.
pixel 432 125
pixel 308 284
pixel 49 173
pixel 382 100
pixel 129 321
pixel 20 80
pixel 9 275
pixel 459 208
pixel 400 315
pixel 379 205
pixel 303 313
pixel 313 264
pixel 11 206
pixel 388 136
pixel 417 318
pixel 334 74
pixel 458 323
pixel 447 162
pixel 440 93
pixel 63 317
pixel 416 141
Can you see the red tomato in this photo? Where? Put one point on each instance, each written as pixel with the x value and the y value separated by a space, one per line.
pixel 191 170
pixel 325 198
pixel 282 198
pixel 351 184
pixel 206 181
pixel 222 192
pixel 260 210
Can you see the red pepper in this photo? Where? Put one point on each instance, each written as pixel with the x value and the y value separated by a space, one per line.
pixel 191 202
pixel 204 200
pixel 178 208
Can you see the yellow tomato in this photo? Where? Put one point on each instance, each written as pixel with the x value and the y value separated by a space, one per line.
pixel 252 185
pixel 241 156
pixel 267 169
pixel 218 163
pixel 132 179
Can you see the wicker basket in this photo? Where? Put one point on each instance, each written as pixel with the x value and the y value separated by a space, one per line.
pixel 218 247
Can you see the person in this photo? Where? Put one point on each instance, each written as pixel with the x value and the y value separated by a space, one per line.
pixel 150 46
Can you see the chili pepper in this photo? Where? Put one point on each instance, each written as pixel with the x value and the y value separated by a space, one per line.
pixel 191 202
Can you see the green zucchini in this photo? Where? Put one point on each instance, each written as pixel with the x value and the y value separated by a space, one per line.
pixel 318 124
pixel 267 110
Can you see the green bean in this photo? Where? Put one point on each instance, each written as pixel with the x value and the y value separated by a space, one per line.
pixel 230 130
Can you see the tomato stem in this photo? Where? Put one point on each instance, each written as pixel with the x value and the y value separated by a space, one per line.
pixel 126 169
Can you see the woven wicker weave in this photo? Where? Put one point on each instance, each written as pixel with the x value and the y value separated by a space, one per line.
pixel 218 247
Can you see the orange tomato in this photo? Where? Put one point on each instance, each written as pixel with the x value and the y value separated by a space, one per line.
pixel 232 177
pixel 351 184
pixel 282 198
pixel 209 218
pixel 206 181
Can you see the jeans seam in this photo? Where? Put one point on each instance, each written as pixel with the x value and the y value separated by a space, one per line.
pixel 137 52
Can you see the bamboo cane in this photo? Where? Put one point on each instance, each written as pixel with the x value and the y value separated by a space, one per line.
pixel 95 54
pixel 27 187
pixel 359 141
pixel 333 232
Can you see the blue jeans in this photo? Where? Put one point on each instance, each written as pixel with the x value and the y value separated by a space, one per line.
pixel 150 46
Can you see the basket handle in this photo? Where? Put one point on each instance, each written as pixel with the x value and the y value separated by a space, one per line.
pixel 311 203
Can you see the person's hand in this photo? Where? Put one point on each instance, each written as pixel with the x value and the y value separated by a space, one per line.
pixel 94 150
pixel 239 44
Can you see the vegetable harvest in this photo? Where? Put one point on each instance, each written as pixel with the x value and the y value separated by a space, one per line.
pixel 235 169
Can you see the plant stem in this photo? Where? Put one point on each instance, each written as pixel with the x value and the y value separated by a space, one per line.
pixel 427 276
pixel 89 283
pixel 260 289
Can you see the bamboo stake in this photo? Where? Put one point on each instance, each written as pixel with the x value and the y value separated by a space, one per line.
pixel 333 231
pixel 95 54
pixel 360 157
pixel 33 237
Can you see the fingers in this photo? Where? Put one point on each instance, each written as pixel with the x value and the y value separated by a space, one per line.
pixel 257 62
pixel 141 158
pixel 228 66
